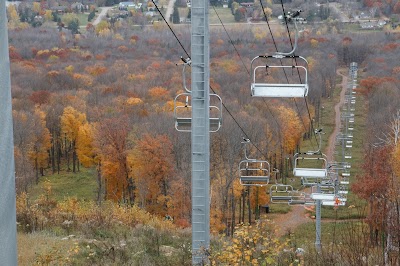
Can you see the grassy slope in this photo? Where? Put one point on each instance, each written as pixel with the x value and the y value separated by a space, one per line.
pixel 81 185
pixel 46 248
pixel 306 232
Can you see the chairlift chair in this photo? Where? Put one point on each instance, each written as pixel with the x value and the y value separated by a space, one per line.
pixel 183 112
pixel 253 172
pixel 310 172
pixel 299 197
pixel 280 193
pixel 260 88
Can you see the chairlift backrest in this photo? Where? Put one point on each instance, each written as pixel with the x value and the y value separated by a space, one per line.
pixel 319 171
pixel 261 88
pixel 280 193
pixel 183 112
pixel 254 172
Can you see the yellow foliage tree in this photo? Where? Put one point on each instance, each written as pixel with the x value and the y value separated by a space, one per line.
pixel 103 25
pixel 291 128
pixel 84 145
pixel 71 121
pixel 36 7
pixel 253 245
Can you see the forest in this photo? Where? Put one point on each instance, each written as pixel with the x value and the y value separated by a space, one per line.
pixel 99 106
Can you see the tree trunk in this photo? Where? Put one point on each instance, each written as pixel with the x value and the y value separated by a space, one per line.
pixel 100 184
pixel 58 156
pixel 52 157
pixel 248 203
pixel 36 171
pixel 233 214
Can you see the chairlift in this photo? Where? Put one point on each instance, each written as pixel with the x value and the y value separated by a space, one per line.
pixel 253 172
pixel 333 203
pixel 280 193
pixel 344 181
pixel 300 197
pixel 183 108
pixel 183 112
pixel 320 172
pixel 346 174
pixel 261 88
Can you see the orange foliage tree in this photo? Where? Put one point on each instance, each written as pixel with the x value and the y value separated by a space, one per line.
pixel 112 144
pixel 151 164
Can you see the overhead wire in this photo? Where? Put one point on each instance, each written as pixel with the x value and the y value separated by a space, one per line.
pixel 298 72
pixel 276 48
pixel 187 54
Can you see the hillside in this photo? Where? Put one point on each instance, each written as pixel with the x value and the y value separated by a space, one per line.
pixel 103 177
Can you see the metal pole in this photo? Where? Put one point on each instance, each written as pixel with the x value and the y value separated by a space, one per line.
pixel 8 225
pixel 200 135
pixel 318 221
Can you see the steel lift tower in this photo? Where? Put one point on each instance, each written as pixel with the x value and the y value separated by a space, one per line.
pixel 200 134
pixel 8 225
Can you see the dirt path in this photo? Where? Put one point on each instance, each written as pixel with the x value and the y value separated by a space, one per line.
pixel 101 15
pixel 332 138
pixel 170 9
pixel 289 221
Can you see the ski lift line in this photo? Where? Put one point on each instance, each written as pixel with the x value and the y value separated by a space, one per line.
pixel 298 72
pixel 187 54
pixel 290 39
pixel 273 39
pixel 230 39
pixel 247 70
pixel 176 37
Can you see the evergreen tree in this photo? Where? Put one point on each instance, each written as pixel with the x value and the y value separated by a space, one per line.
pixel 175 16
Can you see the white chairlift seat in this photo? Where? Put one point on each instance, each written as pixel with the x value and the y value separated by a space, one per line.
pixel 310 172
pixel 260 88
pixel 279 90
pixel 333 203
pixel 183 112
pixel 254 172
pixel 322 196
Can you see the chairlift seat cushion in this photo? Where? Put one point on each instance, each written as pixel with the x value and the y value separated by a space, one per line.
pixel 279 90
pixel 322 196
pixel 187 121
pixel 264 179
pixel 278 198
pixel 310 172
pixel 333 203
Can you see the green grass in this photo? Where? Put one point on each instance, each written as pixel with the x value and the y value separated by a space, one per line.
pixel 330 231
pixel 82 17
pixel 81 185
pixel 224 14
pixel 327 123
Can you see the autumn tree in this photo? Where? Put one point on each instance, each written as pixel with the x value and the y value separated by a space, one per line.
pixel 152 169
pixel 71 121
pixel 111 141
